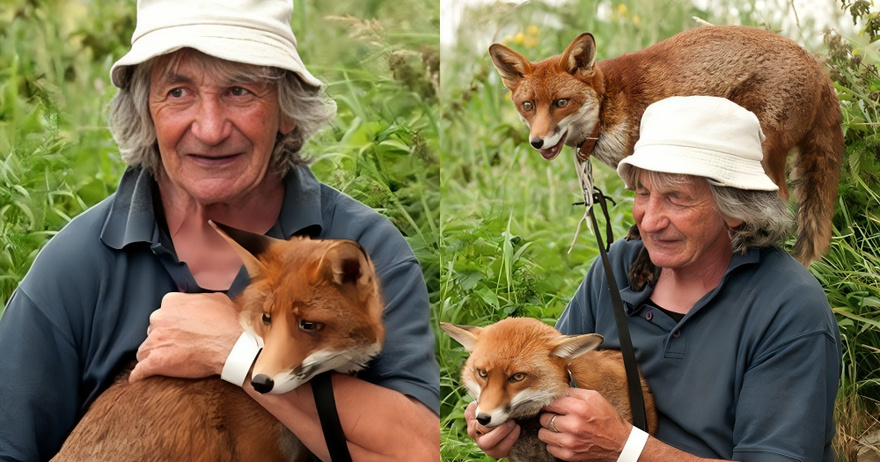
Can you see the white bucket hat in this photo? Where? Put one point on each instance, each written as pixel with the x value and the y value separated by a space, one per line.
pixel 702 136
pixel 246 31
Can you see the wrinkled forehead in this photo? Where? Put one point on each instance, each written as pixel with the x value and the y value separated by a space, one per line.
pixel 188 61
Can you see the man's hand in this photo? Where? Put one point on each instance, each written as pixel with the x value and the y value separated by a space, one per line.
pixel 496 441
pixel 189 336
pixel 589 427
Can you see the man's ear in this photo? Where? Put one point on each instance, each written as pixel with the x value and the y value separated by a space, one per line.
pixel 287 125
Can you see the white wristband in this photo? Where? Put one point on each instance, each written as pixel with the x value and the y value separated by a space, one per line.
pixel 240 359
pixel 634 445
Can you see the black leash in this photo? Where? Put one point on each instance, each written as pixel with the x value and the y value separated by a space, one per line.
pixel 636 399
pixel 322 388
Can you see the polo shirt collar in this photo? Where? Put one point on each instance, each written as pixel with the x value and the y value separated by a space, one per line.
pixel 301 212
pixel 132 216
pixel 634 301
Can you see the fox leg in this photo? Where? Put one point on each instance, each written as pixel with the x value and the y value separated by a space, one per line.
pixel 775 154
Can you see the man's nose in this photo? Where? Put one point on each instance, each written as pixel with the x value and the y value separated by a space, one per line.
pixel 653 218
pixel 211 125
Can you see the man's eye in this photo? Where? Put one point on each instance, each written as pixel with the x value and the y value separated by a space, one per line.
pixel 238 91
pixel 176 93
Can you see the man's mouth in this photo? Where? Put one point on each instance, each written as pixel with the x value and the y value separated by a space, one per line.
pixel 553 151
pixel 213 159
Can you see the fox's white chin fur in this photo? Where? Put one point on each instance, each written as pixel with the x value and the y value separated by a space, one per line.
pixel 571 131
pixel 322 361
pixel 526 403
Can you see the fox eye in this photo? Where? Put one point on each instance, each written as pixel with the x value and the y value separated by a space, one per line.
pixel 528 106
pixel 267 318
pixel 561 102
pixel 482 373
pixel 518 377
pixel 310 326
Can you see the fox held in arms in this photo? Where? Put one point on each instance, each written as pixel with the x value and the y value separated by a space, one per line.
pixel 316 305
pixel 595 107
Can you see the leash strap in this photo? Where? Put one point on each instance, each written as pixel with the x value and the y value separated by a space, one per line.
pixel 322 388
pixel 636 399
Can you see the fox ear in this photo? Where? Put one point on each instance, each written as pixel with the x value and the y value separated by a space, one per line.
pixel 512 66
pixel 572 346
pixel 345 262
pixel 580 56
pixel 248 246
pixel 465 335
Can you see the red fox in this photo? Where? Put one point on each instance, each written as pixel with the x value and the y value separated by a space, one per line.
pixel 315 304
pixel 595 107
pixel 519 365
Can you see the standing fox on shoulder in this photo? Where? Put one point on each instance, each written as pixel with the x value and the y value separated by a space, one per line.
pixel 519 365
pixel 315 305
pixel 595 107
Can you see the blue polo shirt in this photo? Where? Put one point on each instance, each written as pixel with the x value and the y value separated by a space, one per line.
pixel 83 309
pixel 750 373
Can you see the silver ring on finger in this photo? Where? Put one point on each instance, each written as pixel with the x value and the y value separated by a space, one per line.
pixel 552 424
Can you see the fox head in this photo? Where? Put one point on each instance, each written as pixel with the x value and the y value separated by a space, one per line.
pixel 559 98
pixel 315 305
pixel 517 366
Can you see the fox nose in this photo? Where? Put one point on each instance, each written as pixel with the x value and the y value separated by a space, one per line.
pixel 537 143
pixel 263 383
pixel 484 419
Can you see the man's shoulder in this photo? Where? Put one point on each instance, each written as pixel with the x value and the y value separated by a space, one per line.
pixel 342 207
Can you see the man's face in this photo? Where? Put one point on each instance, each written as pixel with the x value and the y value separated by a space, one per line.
pixel 215 133
pixel 679 223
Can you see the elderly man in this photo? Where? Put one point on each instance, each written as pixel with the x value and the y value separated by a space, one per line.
pixel 214 105
pixel 735 338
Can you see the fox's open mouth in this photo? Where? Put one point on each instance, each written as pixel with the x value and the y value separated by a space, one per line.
pixel 553 151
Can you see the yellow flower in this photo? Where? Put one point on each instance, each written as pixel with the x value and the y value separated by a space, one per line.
pixel 621 9
pixel 532 30
pixel 519 39
pixel 530 41
pixel 637 20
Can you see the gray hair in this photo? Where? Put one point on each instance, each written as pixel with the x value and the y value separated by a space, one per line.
pixel 765 216
pixel 132 126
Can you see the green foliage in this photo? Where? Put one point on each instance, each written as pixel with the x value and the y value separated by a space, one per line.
pixel 849 272
pixel 861 10
pixel 56 156
pixel 380 60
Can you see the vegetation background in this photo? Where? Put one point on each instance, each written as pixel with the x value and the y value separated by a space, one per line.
pixel 506 217
pixel 497 243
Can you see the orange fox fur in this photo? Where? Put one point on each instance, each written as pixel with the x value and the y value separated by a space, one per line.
pixel 312 302
pixel 519 365
pixel 571 100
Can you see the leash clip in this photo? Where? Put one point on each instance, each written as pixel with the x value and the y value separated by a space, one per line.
pixel 592 195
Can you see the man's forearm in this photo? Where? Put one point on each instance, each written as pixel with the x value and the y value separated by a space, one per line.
pixel 380 424
pixel 658 451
